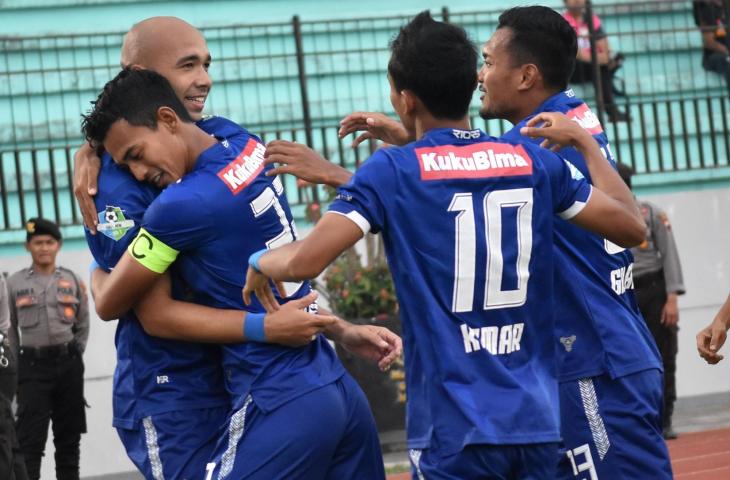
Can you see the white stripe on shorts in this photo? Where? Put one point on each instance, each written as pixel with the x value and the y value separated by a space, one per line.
pixel 153 449
pixel 593 415
pixel 415 456
pixel 235 431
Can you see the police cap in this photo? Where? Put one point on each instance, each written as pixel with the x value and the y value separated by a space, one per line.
pixel 41 226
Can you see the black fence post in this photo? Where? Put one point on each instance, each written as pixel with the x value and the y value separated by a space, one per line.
pixel 445 14
pixel 306 114
pixel 594 62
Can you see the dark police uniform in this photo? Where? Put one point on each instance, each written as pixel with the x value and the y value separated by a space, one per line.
pixel 12 465
pixel 51 315
pixel 657 272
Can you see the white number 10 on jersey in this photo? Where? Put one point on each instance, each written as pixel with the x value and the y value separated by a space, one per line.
pixel 466 248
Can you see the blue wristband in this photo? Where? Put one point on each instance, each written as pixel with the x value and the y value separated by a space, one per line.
pixel 253 260
pixel 253 327
pixel 93 266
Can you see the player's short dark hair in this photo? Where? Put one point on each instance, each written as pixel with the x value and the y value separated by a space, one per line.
pixel 540 35
pixel 135 96
pixel 437 62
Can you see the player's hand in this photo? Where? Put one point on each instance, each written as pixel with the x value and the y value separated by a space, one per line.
pixel 260 285
pixel 292 326
pixel 670 312
pixel 371 342
pixel 302 162
pixel 87 165
pixel 377 126
pixel 557 130
pixel 710 340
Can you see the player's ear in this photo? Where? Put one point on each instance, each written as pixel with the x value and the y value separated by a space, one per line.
pixel 530 75
pixel 167 117
pixel 409 101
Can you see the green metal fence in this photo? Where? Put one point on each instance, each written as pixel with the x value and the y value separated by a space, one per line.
pixel 296 79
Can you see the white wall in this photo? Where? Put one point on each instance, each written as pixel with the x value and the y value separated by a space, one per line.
pixel 699 220
pixel 701 228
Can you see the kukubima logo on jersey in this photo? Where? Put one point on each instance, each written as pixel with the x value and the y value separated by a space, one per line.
pixel 244 169
pixel 113 223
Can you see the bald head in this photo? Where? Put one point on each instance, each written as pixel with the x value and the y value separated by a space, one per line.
pixel 155 36
pixel 177 51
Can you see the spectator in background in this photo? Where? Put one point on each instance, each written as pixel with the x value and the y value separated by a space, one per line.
pixel 657 284
pixel 12 466
pixel 48 306
pixel 711 338
pixel 710 17
pixel 608 63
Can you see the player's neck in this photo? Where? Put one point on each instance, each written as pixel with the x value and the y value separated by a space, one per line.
pixel 197 142
pixel 532 101
pixel 426 123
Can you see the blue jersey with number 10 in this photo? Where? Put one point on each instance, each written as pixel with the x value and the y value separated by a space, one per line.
pixel 598 326
pixel 467 222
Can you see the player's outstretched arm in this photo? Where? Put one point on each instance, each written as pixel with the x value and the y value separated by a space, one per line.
pixel 611 211
pixel 300 260
pixel 376 126
pixel 711 338
pixel 370 342
pixel 162 316
pixel 303 162
pixel 86 172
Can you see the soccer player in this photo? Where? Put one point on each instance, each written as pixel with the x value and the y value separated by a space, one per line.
pixel 607 359
pixel 217 208
pixel 467 222
pixel 169 397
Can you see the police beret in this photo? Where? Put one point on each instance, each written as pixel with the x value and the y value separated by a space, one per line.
pixel 41 226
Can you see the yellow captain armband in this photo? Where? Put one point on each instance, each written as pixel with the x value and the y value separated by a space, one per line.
pixel 151 252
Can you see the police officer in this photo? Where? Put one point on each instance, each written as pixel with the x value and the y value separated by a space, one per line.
pixel 657 284
pixel 48 307
pixel 12 465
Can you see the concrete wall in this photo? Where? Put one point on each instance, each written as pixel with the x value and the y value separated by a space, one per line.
pixel 698 219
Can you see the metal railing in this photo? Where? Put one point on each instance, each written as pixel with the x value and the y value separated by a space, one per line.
pixel 295 80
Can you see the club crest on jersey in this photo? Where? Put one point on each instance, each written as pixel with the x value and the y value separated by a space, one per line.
pixel 244 169
pixel 478 160
pixel 584 117
pixel 568 342
pixel 113 223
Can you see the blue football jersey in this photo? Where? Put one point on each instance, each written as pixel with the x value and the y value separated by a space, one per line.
pixel 467 222
pixel 152 375
pixel 217 216
pixel 599 328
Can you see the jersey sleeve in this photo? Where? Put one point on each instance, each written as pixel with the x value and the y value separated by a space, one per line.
pixel 569 188
pixel 364 198
pixel 120 204
pixel 178 220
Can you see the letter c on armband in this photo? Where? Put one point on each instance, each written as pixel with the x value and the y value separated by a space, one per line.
pixel 150 245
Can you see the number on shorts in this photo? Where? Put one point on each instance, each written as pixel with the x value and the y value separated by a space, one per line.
pixel 587 465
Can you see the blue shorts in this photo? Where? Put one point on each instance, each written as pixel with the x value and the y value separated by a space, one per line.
pixel 487 462
pixel 175 444
pixel 328 433
pixel 612 428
